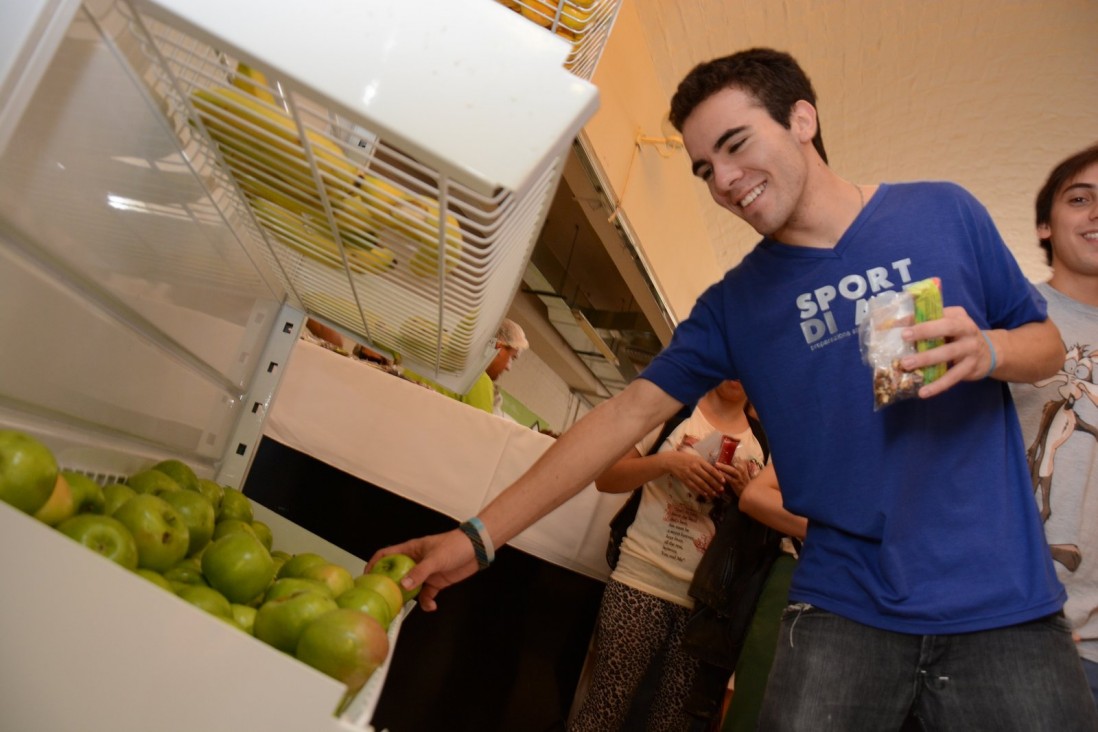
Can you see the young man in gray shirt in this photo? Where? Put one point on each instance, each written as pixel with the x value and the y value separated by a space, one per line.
pixel 1059 415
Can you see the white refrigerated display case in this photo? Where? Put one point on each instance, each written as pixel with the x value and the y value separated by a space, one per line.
pixel 158 257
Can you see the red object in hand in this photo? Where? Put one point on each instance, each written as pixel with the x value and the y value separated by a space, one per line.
pixel 728 449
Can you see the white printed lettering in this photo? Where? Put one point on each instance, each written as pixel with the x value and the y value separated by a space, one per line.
pixel 806 305
pixel 852 286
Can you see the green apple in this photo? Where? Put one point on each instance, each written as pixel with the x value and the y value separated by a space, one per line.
pixel 338 579
pixel 385 586
pixel 214 493
pixel 244 617
pixel 279 558
pixel 191 560
pixel 183 574
pixel 228 526
pixel 290 585
pixel 238 566
pixel 28 471
pixel 103 535
pixel 180 472
pixel 346 644
pixel 156 578
pixel 208 599
pixel 114 495
pixel 235 505
pixel 152 481
pixel 280 622
pixel 197 514
pixel 295 565
pixel 158 529
pixel 369 602
pixel 197 556
pixel 60 504
pixel 263 533
pixel 395 566
pixel 86 493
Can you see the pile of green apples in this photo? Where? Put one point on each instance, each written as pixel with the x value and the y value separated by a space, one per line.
pixel 200 541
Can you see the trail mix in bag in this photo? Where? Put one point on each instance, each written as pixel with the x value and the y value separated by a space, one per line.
pixel 883 347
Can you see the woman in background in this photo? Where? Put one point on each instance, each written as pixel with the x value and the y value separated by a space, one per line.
pixel 646 603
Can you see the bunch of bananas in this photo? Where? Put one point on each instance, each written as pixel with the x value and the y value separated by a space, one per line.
pixel 264 152
pixel 403 219
pixel 575 15
pixel 304 235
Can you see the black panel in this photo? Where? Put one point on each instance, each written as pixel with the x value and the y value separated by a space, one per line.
pixel 505 648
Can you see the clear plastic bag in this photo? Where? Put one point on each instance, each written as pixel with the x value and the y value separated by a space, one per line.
pixel 883 347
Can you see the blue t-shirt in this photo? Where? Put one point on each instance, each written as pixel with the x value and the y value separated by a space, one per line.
pixel 921 515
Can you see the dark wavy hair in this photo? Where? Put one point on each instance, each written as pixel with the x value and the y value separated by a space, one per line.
pixel 1057 179
pixel 774 78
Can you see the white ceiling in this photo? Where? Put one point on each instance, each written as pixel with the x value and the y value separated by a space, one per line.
pixel 987 93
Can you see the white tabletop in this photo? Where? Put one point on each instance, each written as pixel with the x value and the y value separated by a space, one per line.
pixel 428 448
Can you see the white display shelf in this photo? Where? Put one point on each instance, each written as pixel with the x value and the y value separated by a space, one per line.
pixel 88 644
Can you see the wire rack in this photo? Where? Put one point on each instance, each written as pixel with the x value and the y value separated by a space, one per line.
pixel 359 232
pixel 586 24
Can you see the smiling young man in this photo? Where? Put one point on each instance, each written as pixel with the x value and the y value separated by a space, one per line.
pixel 925 586
pixel 1060 414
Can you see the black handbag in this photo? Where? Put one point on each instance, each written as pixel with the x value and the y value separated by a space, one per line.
pixel 625 516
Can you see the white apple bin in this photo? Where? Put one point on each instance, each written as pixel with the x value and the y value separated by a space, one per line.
pixel 88 644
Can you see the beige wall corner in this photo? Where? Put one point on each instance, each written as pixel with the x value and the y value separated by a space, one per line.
pixel 651 183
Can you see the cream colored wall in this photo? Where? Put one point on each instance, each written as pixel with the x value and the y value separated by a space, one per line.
pixel 534 383
pixel 656 194
pixel 986 93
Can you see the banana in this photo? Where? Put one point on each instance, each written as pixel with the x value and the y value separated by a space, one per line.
pixel 300 234
pixel 455 351
pixel 264 153
pixel 420 336
pixel 266 176
pixel 424 261
pixel 370 259
pixel 414 217
pixel 231 106
pixel 253 82
pixel 574 18
pixel 264 143
pixel 356 221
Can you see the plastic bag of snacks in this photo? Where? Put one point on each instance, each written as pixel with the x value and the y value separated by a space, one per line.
pixel 883 347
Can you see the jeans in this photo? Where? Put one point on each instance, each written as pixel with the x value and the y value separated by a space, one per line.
pixel 1091 669
pixel 830 673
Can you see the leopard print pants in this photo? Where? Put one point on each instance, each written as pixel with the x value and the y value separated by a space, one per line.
pixel 637 631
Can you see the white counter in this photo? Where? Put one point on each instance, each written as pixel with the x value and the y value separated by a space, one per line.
pixel 428 448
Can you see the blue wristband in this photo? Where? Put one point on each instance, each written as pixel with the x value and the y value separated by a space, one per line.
pixel 485 538
pixel 485 553
pixel 994 358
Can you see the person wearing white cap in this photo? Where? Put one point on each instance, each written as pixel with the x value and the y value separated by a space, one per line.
pixel 510 343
